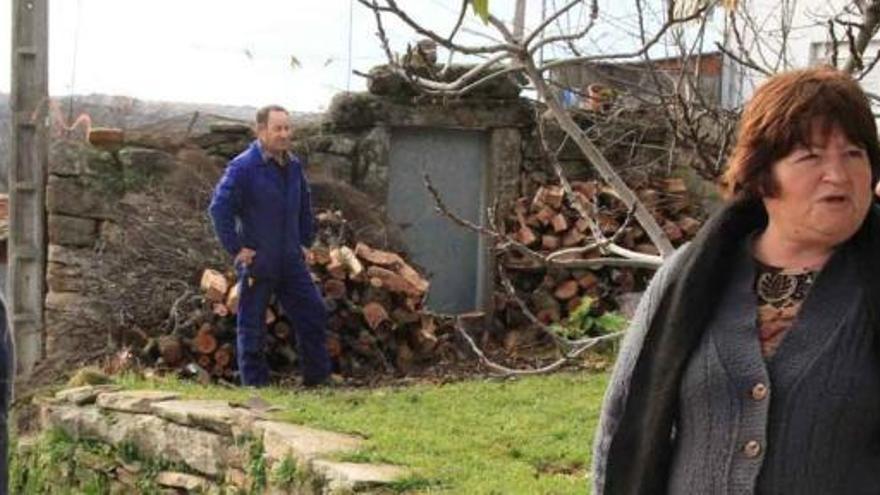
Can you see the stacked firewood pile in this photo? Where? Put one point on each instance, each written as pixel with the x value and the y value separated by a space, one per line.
pixel 546 222
pixel 376 321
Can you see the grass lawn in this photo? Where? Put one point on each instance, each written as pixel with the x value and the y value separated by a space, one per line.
pixel 527 435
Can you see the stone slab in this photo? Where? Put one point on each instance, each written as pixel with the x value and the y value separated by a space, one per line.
pixel 72 231
pixel 71 196
pixel 205 452
pixel 145 160
pixel 184 481
pixel 302 443
pixel 85 394
pixel 134 401
pixel 350 476
pixel 214 415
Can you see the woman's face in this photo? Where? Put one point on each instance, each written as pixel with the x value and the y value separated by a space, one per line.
pixel 824 190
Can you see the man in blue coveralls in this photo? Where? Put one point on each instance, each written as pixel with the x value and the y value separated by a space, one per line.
pixel 262 215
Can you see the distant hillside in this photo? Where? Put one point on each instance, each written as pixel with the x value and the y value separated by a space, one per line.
pixel 126 113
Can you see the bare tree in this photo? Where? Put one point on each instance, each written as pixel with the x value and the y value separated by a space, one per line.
pixel 685 30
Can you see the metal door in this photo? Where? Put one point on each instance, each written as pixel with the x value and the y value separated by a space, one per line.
pixel 452 256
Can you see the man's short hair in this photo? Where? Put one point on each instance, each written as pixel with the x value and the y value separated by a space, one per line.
pixel 263 113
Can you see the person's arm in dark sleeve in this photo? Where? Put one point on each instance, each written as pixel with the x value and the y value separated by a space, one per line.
pixel 225 206
pixel 306 217
pixel 7 378
pixel 619 384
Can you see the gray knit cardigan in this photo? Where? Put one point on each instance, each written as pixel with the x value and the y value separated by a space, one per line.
pixel 813 428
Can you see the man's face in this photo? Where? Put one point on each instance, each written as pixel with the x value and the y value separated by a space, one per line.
pixel 275 134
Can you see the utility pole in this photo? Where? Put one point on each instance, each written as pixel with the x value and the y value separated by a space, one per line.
pixel 519 19
pixel 29 102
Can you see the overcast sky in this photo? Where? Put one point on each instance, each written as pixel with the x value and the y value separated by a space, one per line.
pixel 239 52
pixel 220 51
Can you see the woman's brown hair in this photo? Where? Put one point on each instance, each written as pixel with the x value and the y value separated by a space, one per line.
pixel 781 116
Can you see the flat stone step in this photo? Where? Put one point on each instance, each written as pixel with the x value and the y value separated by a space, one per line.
pixel 205 452
pixel 303 443
pixel 85 394
pixel 214 415
pixel 350 476
pixel 188 482
pixel 134 401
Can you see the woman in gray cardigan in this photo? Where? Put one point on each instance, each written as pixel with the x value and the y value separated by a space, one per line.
pixel 752 364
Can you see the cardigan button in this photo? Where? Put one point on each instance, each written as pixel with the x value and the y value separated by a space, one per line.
pixel 759 391
pixel 752 449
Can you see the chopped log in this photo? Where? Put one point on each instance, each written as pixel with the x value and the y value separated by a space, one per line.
pixel 204 361
pixel 526 236
pixel 335 289
pixel 582 225
pixel 553 196
pixel 426 336
pixel 533 221
pixel 411 303
pixel 572 238
pixel 393 261
pixel 547 306
pixel 376 256
pixel 588 189
pixel 281 330
pixel 334 346
pixel 354 266
pixel 220 310
pixel 545 215
pixel 380 277
pixel 171 350
pixel 205 342
pixel 214 285
pixel 588 280
pixel 689 225
pixel 232 299
pixel 375 314
pixel 566 290
pixel 336 268
pixel 559 223
pixel 538 199
pixel 224 355
pixel 549 242
pixel 607 223
pixel 321 255
pixel 105 136
pixel 410 275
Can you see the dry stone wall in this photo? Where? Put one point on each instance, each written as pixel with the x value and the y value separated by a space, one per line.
pixel 216 445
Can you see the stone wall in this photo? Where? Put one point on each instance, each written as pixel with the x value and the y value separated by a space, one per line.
pixel 122 219
pixel 202 446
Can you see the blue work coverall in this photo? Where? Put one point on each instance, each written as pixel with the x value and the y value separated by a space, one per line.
pixel 266 207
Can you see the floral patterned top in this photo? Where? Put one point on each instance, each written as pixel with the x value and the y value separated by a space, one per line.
pixel 781 292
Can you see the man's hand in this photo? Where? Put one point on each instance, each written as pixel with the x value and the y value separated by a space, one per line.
pixel 245 256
